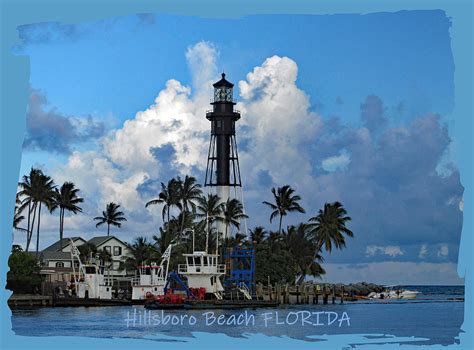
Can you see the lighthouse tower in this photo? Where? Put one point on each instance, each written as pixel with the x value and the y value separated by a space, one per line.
pixel 223 170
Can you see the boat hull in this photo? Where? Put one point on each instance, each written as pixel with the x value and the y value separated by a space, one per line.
pixel 67 302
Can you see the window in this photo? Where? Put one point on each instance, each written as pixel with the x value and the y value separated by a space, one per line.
pixel 117 251
pixel 90 270
pixel 59 264
pixel 108 249
pixel 219 124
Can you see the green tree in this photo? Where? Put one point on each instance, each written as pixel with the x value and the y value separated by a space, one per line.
pixel 66 199
pixel 258 234
pixel 111 216
pixel 328 227
pixel 233 213
pixel 26 193
pixel 141 252
pixel 23 276
pixel 87 251
pixel 169 197
pixel 285 202
pixel 164 239
pixel 17 217
pixel 278 268
pixel 37 189
pixel 189 194
pixel 297 241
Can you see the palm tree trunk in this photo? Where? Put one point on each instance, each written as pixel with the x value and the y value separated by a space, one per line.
pixel 279 227
pixel 38 229
pixel 30 230
pixel 183 214
pixel 317 250
pixel 61 220
pixel 108 229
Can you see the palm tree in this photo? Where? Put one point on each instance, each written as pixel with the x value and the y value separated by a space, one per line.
pixel 38 189
pixel 164 239
pixel 210 206
pixel 329 226
pixel 210 209
pixel 87 251
pixel 297 241
pixel 105 258
pixel 169 196
pixel 17 217
pixel 111 216
pixel 258 234
pixel 285 202
pixel 141 252
pixel 189 193
pixel 66 198
pixel 233 213
pixel 28 191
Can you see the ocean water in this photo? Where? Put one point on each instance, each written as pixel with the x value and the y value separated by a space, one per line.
pixel 433 318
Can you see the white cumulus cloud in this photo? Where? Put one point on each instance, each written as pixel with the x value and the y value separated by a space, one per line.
pixel 391 251
pixel 338 162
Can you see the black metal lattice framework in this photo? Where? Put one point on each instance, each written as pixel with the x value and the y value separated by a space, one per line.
pixel 234 166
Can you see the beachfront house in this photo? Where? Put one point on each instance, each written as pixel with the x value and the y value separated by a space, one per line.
pixel 57 264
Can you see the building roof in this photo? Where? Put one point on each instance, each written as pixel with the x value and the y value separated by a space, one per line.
pixel 48 255
pixel 98 241
pixel 56 247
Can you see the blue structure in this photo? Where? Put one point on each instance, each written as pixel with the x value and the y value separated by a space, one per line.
pixel 173 276
pixel 240 267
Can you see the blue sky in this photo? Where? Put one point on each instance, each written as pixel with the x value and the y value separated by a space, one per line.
pixel 359 104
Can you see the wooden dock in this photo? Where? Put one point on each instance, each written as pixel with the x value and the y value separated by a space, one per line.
pixel 29 300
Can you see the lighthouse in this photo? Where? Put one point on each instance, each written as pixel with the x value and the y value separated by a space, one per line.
pixel 223 170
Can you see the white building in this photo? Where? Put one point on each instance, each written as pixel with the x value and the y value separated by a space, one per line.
pixel 56 259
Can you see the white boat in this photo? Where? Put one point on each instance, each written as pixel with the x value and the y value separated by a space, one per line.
pixel 202 270
pixel 151 279
pixel 394 293
pixel 90 281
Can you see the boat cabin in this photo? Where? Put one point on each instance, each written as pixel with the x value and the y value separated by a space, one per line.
pixel 151 279
pixel 202 270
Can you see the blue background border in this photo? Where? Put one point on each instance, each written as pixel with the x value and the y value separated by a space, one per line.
pixel 14 88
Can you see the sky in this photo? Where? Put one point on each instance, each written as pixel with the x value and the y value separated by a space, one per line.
pixel 349 108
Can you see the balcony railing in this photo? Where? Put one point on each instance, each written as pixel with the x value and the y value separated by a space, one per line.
pixel 196 269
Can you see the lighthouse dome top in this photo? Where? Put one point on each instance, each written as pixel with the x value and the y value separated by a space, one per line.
pixel 223 83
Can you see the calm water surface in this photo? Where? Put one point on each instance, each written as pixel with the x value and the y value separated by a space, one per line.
pixel 432 316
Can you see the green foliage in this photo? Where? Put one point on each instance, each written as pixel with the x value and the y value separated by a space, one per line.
pixel 111 216
pixel 142 253
pixel 285 201
pixel 276 267
pixel 23 276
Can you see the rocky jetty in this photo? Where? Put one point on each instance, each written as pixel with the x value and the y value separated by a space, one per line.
pixel 357 289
